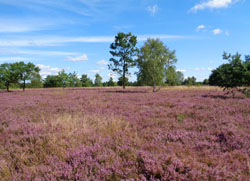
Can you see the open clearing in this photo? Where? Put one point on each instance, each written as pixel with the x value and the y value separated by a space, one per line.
pixel 107 134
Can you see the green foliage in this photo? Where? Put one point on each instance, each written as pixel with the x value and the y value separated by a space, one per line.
pixel 8 74
pixel 180 77
pixel 69 80
pixel 19 74
pixel 190 81
pixel 2 84
pixel 233 75
pixel 53 81
pixel 98 80
pixel 86 82
pixel 205 82
pixel 111 82
pixel 36 82
pixel 124 48
pixel 171 76
pixel 121 81
pixel 25 72
pixel 174 77
pixel 153 61
pixel 180 118
pixel 63 78
pixel 73 80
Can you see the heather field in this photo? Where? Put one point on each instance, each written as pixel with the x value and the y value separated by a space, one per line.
pixel 106 134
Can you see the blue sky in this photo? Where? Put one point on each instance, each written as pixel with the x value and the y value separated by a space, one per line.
pixel 75 35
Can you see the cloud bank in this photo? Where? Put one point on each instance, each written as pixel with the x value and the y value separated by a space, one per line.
pixel 213 4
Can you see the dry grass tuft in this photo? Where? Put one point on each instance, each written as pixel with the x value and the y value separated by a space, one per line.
pixel 4 171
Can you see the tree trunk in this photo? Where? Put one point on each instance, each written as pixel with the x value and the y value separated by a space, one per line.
pixel 123 79
pixel 24 85
pixel 7 88
pixel 154 88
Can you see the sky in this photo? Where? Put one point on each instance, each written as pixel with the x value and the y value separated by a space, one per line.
pixel 75 35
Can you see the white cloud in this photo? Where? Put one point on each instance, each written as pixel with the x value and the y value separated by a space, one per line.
pixel 181 70
pixel 203 69
pixel 47 53
pixel 198 69
pixel 47 70
pixel 16 59
pixel 153 9
pixel 36 52
pixel 217 31
pixel 122 27
pixel 84 57
pixel 102 62
pixel 59 41
pixel 15 28
pixel 200 27
pixel 18 25
pixel 95 70
pixel 213 4
pixel 162 37
pixel 96 9
pixel 53 41
pixel 112 75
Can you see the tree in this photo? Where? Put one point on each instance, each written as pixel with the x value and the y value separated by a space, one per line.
pixel 205 82
pixel 190 81
pixel 234 75
pixel 52 81
pixel 124 48
pixel 122 81
pixel 64 78
pixel 73 79
pixel 36 81
pixel 98 80
pixel 25 72
pixel 1 84
pixel 171 76
pixel 153 61
pixel 111 82
pixel 8 75
pixel 86 82
pixel 180 77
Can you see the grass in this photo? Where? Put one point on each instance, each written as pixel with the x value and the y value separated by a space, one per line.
pixel 108 134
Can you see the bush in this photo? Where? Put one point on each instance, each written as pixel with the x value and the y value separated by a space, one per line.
pixel 232 76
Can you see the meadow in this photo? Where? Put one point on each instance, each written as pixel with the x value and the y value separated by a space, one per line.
pixel 107 134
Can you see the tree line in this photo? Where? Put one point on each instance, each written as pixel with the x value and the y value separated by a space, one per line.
pixel 22 75
pixel 155 63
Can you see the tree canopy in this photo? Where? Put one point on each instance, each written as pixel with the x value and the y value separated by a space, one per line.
pixel 73 80
pixel 171 76
pixel 25 72
pixel 232 75
pixel 86 81
pixel 53 81
pixel 180 77
pixel 153 61
pixel 8 74
pixel 63 78
pixel 98 80
pixel 190 81
pixel 124 48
